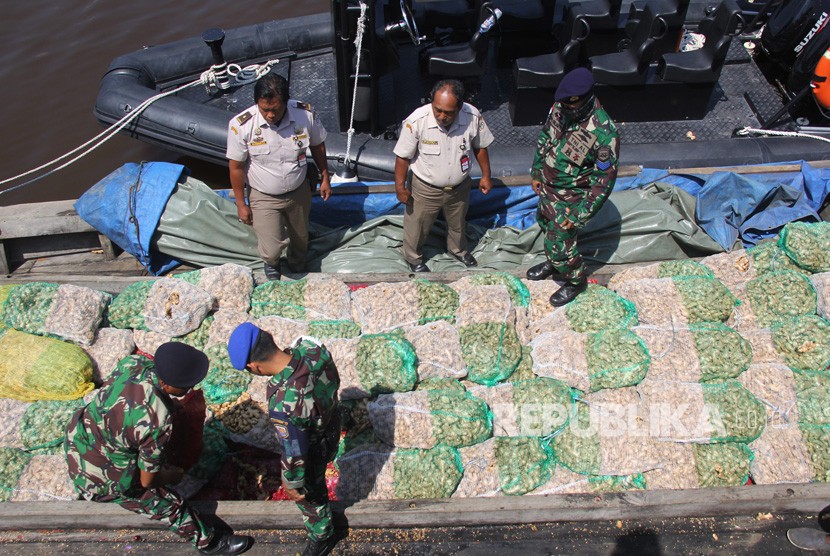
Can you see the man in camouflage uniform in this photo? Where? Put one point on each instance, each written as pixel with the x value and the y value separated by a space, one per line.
pixel 302 404
pixel 573 172
pixel 115 446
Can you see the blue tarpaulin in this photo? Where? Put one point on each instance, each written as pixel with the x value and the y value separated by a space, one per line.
pixel 126 206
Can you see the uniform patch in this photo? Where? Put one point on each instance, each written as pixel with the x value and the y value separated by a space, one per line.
pixel 242 118
pixel 603 165
pixel 257 142
pixel 604 154
pixel 409 127
pixel 304 106
pixel 235 131
pixel 429 142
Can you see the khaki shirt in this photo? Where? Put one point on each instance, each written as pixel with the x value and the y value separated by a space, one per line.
pixel 438 156
pixel 275 156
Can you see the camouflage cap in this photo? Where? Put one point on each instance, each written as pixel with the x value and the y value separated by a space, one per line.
pixel 240 344
pixel 576 83
pixel 180 365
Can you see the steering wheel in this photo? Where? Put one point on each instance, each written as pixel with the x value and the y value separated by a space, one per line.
pixel 408 23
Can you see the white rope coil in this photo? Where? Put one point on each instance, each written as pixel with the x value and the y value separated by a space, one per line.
pixel 361 26
pixel 241 76
pixel 747 130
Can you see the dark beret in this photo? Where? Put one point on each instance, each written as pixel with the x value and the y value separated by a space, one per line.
pixel 576 83
pixel 241 343
pixel 180 365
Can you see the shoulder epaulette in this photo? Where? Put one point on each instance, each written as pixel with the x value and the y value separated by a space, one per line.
pixel 244 117
pixel 303 106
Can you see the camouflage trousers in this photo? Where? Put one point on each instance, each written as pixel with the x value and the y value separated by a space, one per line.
pixel 315 508
pixel 164 505
pixel 560 243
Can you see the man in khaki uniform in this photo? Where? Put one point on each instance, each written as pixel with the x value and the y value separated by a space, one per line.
pixel 436 141
pixel 267 151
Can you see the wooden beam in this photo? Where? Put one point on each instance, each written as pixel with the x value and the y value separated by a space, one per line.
pixel 452 512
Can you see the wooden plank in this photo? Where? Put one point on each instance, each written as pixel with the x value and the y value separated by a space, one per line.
pixel 453 512
pixel 41 219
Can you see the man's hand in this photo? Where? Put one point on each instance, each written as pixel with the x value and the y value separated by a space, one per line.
pixel 293 495
pixel 402 193
pixel 537 186
pixel 325 189
pixel 244 213
pixel 485 185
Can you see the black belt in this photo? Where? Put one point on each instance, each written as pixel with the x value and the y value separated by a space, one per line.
pixel 444 188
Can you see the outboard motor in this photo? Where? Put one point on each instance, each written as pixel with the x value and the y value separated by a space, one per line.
pixel 791 28
pixel 808 59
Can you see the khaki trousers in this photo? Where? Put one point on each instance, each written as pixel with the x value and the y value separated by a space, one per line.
pixel 421 211
pixel 280 222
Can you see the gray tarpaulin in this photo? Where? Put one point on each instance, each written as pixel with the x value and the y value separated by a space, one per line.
pixel 655 223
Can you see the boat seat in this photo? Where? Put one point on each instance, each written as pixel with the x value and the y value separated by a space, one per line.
pixel 462 60
pixel 458 15
pixel 630 67
pixel 672 11
pixel 705 64
pixel 547 70
pixel 600 14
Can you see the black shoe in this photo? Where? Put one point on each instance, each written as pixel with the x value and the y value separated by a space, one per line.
pixel 418 267
pixel 228 543
pixel 298 269
pixel 320 548
pixel 271 272
pixel 567 293
pixel 540 271
pixel 467 259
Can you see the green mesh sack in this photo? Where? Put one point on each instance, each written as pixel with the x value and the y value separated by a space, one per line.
pixel 282 299
pixel 435 302
pixel 13 462
pixel 778 296
pixel 705 299
pixel 803 342
pixel 386 363
pixel 616 483
pixel 598 309
pixel 670 269
pixel 720 465
pixel 740 417
pixel 616 358
pixel 808 245
pixel 199 337
pixel 769 257
pixel 721 351
pixel 223 383
pixel 524 370
pixel 323 329
pixel 491 350
pixel 37 368
pixel 214 452
pixel 578 448
pixel 537 402
pixel 432 473
pixel 423 419
pixel 27 307
pixel 812 394
pixel 191 277
pixel 523 463
pixel 439 383
pixel 127 309
pixel 43 425
pixel 817 440
pixel 519 294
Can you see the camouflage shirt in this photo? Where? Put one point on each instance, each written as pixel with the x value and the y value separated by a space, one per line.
pixel 302 401
pixel 122 430
pixel 579 156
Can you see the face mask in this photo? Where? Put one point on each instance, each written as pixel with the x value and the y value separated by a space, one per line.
pixel 578 114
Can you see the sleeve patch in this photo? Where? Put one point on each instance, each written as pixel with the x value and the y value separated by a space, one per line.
pixel 604 154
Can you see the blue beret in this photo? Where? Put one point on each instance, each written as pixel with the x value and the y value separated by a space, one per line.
pixel 180 365
pixel 576 83
pixel 241 343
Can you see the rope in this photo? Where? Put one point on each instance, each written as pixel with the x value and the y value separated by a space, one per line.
pixel 747 130
pixel 241 76
pixel 358 42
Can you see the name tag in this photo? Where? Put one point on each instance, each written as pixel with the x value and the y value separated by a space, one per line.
pixel 578 146
pixel 465 163
pixel 301 160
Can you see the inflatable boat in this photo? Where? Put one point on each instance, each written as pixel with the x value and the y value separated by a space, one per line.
pixel 750 94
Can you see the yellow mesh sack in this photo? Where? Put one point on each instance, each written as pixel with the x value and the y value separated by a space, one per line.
pixel 38 368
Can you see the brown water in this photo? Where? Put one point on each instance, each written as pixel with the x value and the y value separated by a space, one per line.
pixel 52 56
